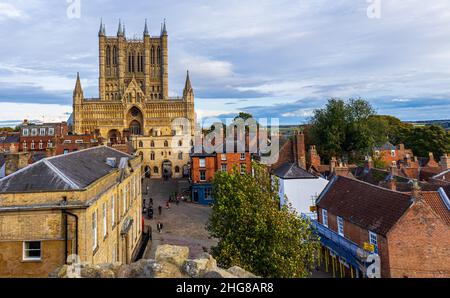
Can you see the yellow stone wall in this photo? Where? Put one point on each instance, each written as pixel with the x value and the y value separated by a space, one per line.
pixel 47 224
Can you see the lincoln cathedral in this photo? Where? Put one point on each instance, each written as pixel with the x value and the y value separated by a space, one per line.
pixel 134 103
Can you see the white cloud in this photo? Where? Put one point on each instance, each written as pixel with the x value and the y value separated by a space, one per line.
pixel 16 76
pixel 44 112
pixel 9 11
pixel 206 67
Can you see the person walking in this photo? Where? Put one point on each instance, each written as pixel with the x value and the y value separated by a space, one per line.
pixel 159 210
pixel 168 205
pixel 159 226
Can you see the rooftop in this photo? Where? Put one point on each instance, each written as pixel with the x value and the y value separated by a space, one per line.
pixel 292 171
pixel 76 170
pixel 371 207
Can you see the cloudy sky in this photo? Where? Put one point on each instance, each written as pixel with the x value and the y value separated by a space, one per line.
pixel 270 58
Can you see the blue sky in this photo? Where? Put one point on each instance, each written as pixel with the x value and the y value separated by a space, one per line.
pixel 270 58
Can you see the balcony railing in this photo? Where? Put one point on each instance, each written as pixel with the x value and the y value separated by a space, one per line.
pixel 344 247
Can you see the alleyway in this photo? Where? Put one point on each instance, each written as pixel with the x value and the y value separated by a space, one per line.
pixel 182 225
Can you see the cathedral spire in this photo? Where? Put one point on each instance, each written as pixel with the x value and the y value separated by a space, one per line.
pixel 146 29
pixel 101 31
pixel 164 30
pixel 120 31
pixel 187 85
pixel 78 90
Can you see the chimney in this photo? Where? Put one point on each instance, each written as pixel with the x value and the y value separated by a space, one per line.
pixel 445 162
pixel 392 185
pixel 368 163
pixel 415 191
pixel 300 150
pixel 314 158
pixel 333 164
pixel 393 169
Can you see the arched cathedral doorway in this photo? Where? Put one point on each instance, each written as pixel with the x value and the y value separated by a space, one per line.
pixel 135 120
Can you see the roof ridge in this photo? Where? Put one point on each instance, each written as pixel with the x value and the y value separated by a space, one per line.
pixel 60 174
pixel 372 185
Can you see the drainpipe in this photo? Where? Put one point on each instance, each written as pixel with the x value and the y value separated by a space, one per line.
pixel 66 213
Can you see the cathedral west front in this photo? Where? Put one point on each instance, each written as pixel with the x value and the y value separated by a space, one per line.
pixel 134 105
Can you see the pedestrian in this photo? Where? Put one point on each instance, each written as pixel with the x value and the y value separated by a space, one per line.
pixel 159 210
pixel 150 213
pixel 151 201
pixel 159 226
pixel 178 201
pixel 168 205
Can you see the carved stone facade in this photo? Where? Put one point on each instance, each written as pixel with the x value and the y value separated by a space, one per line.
pixel 133 98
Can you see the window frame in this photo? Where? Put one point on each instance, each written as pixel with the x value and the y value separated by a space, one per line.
pixel 202 162
pixel 105 220
pixel 325 217
pixel 340 226
pixel 25 250
pixel 94 220
pixel 204 174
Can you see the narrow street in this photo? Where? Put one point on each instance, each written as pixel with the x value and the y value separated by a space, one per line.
pixel 182 225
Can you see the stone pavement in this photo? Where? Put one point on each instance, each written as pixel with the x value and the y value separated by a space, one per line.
pixel 183 225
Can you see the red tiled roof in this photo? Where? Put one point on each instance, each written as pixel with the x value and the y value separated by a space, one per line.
pixel 435 201
pixel 368 206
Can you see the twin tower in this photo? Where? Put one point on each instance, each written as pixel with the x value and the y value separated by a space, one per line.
pixel 121 60
pixel 133 88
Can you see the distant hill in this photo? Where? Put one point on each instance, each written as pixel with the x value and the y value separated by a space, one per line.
pixel 444 123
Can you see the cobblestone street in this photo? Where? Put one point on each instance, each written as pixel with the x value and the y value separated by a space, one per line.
pixel 182 225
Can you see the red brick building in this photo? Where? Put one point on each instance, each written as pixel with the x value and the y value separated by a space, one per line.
pixel 410 232
pixel 389 153
pixel 204 166
pixel 9 142
pixel 72 143
pixel 40 137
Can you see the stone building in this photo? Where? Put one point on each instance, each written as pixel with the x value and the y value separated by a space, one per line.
pixel 134 103
pixel 86 203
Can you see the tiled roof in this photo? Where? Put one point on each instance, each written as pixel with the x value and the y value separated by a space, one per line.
pixel 72 171
pixel 363 204
pixel 292 171
pixel 437 204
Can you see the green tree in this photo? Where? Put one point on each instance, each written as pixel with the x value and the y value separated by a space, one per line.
pixel 424 139
pixel 346 127
pixel 253 232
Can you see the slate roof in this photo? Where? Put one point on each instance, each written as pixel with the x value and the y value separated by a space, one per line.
pixel 386 146
pixel 371 207
pixel 292 171
pixel 10 139
pixel 72 171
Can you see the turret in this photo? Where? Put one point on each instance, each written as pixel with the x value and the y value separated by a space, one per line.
pixel 165 62
pixel 146 29
pixel 188 92
pixel 164 29
pixel 102 30
pixel 78 91
pixel 120 31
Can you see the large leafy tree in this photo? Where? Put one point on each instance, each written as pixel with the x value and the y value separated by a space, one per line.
pixel 346 127
pixel 254 232
pixel 425 139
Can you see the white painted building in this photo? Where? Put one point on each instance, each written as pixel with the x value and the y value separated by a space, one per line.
pixel 299 187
